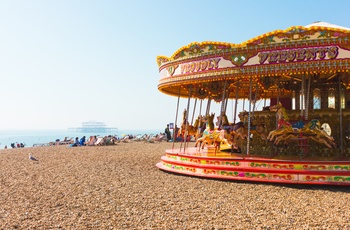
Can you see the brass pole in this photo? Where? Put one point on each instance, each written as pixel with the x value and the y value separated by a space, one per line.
pixel 250 105
pixel 340 118
pixel 236 102
pixel 177 111
pixel 188 107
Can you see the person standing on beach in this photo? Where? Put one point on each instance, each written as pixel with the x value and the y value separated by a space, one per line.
pixel 167 133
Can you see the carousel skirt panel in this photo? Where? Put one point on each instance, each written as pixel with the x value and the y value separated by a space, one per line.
pixel 226 166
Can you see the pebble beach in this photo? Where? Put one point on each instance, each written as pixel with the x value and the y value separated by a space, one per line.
pixel 119 187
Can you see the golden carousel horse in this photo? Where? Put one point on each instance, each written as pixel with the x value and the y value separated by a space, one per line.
pixel 210 135
pixel 311 130
pixel 286 131
pixel 192 130
pixel 283 126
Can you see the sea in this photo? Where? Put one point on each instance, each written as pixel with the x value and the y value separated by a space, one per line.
pixel 30 138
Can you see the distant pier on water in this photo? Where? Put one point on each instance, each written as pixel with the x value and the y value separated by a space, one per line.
pixel 93 127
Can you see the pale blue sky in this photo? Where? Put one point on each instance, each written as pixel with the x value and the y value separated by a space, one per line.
pixel 67 61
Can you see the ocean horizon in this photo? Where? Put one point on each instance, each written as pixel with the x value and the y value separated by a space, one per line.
pixel 35 137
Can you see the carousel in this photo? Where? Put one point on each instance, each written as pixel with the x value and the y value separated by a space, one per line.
pixel 300 133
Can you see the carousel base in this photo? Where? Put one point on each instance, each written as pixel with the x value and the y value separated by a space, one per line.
pixel 208 163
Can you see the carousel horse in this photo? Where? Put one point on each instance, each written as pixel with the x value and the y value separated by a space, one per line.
pixel 283 126
pixel 210 135
pixel 231 130
pixel 315 132
pixel 242 127
pixel 222 121
pixel 238 130
pixel 286 131
pixel 192 130
pixel 312 130
pixel 322 137
pixel 201 126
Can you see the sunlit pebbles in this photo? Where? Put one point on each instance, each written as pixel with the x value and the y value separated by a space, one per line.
pixel 119 187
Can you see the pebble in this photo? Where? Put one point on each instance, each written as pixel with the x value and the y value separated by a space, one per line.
pixel 119 187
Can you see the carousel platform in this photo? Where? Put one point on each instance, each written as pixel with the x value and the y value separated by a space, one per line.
pixel 275 169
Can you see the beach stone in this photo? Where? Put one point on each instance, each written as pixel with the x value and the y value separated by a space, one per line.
pixel 119 187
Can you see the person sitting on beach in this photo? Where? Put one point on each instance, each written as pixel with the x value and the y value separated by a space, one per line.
pixel 82 141
pixel 95 140
pixel 76 143
pixel 92 140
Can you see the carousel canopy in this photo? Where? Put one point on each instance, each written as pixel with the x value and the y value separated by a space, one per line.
pixel 326 24
pixel 269 64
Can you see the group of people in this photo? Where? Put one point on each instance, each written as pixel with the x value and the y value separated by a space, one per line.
pixel 16 145
pixel 95 140
pixel 178 136
pixel 78 142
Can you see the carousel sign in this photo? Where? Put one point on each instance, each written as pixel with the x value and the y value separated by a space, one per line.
pixel 198 66
pixel 302 54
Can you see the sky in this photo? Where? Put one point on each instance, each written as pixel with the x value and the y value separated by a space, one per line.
pixel 63 62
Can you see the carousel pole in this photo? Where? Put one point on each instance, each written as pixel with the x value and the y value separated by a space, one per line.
pixel 208 107
pixel 236 102
pixel 226 102
pixel 233 112
pixel 302 95
pixel 250 105
pixel 278 100
pixel 194 110
pixel 177 112
pixel 255 97
pixel 188 107
pixel 243 104
pixel 340 117
pixel 222 104
pixel 307 98
pixel 200 117
pixel 278 91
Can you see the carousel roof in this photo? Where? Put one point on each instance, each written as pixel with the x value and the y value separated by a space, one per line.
pixel 326 24
pixel 262 39
pixel 275 61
